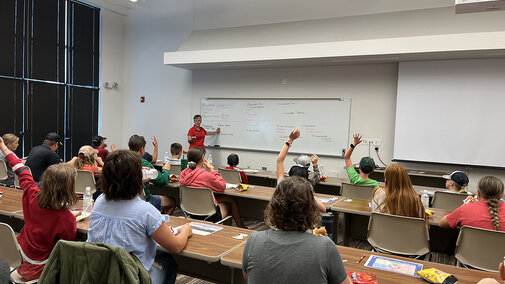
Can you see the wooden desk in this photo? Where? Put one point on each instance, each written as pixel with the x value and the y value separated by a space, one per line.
pixel 233 259
pixel 210 248
pixel 11 201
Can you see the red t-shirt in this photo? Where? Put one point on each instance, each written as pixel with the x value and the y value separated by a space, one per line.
pixel 243 176
pixel 102 153
pixel 475 214
pixel 200 137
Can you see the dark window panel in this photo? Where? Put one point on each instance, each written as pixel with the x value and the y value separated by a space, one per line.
pixel 83 117
pixel 84 45
pixel 7 36
pixel 46 112
pixel 46 40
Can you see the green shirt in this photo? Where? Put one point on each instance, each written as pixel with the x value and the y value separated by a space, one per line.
pixel 162 179
pixel 355 178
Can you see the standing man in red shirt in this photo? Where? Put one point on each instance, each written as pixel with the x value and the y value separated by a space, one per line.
pixel 196 134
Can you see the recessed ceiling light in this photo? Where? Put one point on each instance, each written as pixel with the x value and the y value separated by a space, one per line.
pixel 133 0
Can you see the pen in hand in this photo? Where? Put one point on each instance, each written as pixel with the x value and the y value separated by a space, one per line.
pixel 360 259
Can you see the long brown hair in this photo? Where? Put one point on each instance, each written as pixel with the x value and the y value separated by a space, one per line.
pixel 293 207
pixel 58 187
pixel 491 189
pixel 400 196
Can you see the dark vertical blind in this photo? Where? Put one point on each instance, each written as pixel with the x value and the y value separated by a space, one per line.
pixel 49 74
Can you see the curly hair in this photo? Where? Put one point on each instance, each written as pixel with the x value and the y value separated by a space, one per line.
pixel 293 207
pixel 491 189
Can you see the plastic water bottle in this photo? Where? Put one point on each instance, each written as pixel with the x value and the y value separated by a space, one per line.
pixel 166 157
pixel 210 159
pixel 425 199
pixel 149 174
pixel 87 200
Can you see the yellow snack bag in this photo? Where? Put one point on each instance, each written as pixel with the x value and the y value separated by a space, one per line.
pixel 434 275
pixel 429 213
pixel 242 187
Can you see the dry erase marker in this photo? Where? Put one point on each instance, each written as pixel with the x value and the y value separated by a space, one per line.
pixel 361 258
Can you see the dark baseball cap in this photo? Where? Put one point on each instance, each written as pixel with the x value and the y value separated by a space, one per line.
pixel 98 139
pixel 367 165
pixel 458 177
pixel 54 137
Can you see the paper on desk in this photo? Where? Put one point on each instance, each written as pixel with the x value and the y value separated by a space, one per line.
pixel 326 199
pixel 394 265
pixel 202 229
pixel 231 185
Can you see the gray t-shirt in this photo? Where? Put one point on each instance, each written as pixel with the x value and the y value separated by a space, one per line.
pixel 10 174
pixel 291 257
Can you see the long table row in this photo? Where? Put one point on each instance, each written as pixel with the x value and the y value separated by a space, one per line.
pixel 218 256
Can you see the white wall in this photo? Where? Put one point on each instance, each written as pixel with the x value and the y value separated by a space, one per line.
pixel 372 89
pixel 154 27
pixel 112 69
pixel 387 25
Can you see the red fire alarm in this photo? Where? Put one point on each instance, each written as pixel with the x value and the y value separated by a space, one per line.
pixel 142 99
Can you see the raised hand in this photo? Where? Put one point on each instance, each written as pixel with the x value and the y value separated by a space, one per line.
pixel 357 139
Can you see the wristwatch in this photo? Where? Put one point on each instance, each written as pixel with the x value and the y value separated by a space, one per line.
pixel 287 143
pixel 352 146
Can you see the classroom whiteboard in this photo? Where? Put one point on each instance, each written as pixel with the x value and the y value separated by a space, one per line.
pixel 265 124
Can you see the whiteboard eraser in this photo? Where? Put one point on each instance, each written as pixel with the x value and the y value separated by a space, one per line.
pixel 217 145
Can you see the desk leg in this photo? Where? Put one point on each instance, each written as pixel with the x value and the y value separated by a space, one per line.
pixel 347 229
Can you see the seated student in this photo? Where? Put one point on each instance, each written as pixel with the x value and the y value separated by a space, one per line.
pixel 87 160
pixel 232 165
pixel 305 161
pixel 200 173
pixel 288 253
pixel 100 145
pixel 165 204
pixel 42 156
pixel 296 170
pixel 487 213
pixel 45 210
pixel 366 166
pixel 11 142
pixel 122 219
pixel 398 196
pixel 456 182
pixel 154 157
pixel 176 151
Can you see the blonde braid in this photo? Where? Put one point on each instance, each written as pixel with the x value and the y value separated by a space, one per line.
pixel 494 205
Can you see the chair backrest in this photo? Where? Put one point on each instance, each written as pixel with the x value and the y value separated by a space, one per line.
pixel 16 178
pixel 175 169
pixel 230 176
pixel 3 170
pixel 448 200
pixel 83 180
pixel 398 234
pixel 9 246
pixel 197 201
pixel 356 191
pixel 480 248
